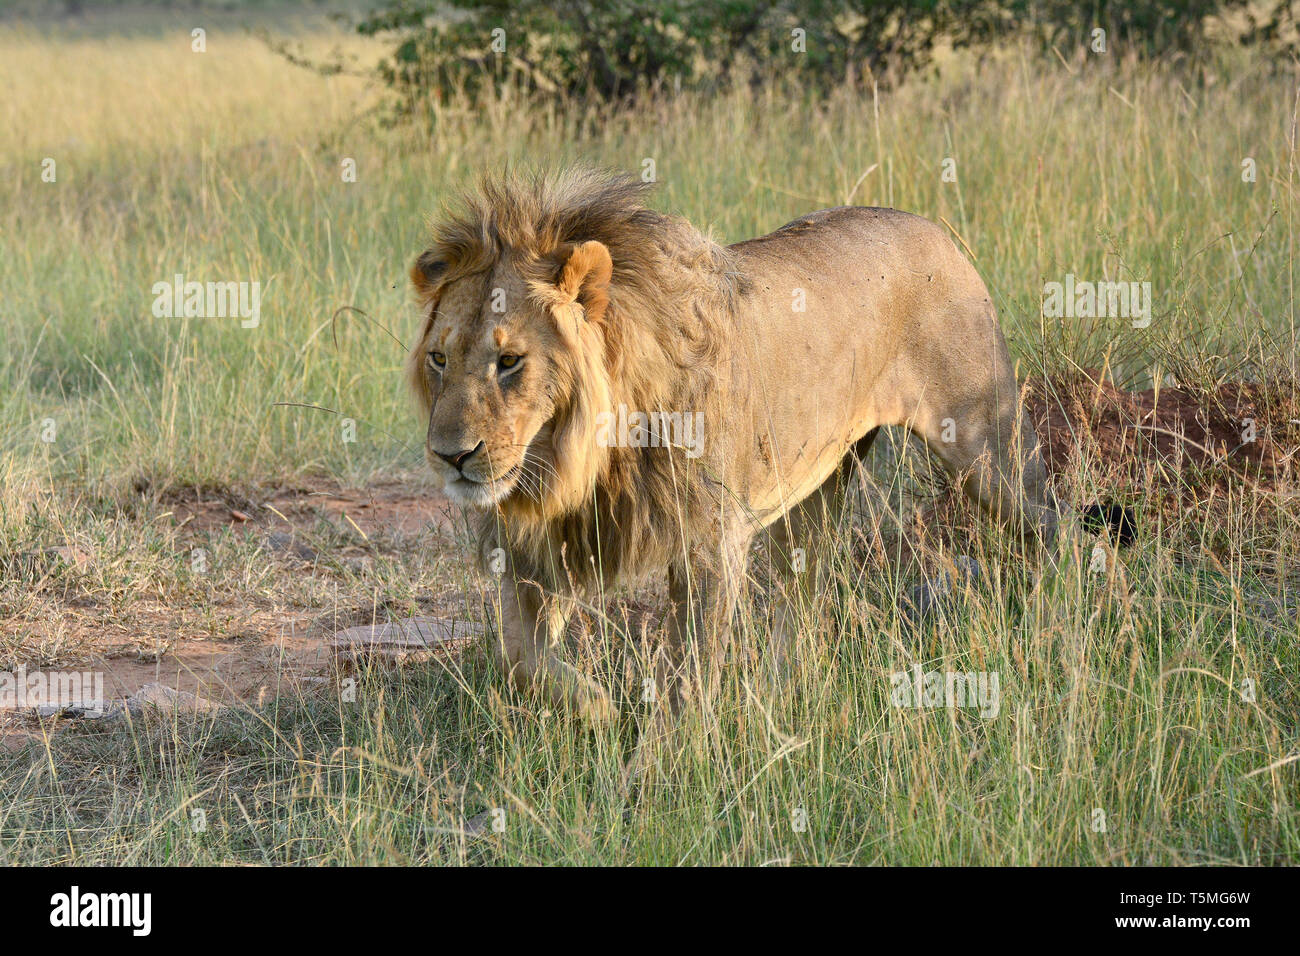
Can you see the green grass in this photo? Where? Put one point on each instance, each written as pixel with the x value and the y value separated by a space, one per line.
pixel 1119 693
pixel 1105 174
pixel 1120 690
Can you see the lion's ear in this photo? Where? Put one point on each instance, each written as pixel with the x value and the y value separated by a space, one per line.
pixel 584 277
pixel 426 274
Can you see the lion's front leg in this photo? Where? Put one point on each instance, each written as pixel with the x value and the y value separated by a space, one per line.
pixel 705 595
pixel 528 651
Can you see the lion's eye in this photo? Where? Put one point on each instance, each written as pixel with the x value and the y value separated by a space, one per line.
pixel 438 359
pixel 509 361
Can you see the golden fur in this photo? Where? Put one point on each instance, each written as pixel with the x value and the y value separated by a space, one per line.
pixel 549 302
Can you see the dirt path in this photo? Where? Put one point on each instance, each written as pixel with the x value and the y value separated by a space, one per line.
pixel 253 589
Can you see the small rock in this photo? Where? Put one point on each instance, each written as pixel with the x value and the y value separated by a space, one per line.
pixel 401 638
pixel 151 697
pixel 289 544
pixel 937 592
pixel 79 711
pixel 165 699
pixel 478 826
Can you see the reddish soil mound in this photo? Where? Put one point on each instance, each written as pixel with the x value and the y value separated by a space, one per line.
pixel 1174 438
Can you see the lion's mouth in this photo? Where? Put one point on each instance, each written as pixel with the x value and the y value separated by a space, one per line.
pixel 507 477
pixel 486 491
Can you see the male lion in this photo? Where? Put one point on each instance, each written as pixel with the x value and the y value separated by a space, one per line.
pixel 559 308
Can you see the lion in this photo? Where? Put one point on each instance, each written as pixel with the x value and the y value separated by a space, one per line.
pixel 568 330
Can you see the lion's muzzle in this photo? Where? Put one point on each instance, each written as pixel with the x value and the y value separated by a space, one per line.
pixel 458 459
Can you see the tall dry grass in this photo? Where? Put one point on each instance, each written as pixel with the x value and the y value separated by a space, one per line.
pixel 1121 688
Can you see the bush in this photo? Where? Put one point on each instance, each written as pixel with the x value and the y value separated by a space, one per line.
pixel 615 50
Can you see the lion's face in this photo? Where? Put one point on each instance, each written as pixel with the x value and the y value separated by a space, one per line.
pixel 488 369
pixel 511 368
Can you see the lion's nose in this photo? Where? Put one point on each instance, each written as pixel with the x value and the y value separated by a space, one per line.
pixel 457 459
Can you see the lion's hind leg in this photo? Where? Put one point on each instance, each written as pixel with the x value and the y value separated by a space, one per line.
pixel 991 447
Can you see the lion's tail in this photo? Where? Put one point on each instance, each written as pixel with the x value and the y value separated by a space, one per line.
pixel 1119 521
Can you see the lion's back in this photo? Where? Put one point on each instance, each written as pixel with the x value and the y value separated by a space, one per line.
pixel 860 229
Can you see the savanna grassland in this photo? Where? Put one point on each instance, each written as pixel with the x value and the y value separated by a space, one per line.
pixel 1149 703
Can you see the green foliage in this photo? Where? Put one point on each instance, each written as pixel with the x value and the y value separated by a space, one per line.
pixel 615 49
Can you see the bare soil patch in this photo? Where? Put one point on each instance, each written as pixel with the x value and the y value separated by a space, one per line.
pixel 321 554
pixel 383 507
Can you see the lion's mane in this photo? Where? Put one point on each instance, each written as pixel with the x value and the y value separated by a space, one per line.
pixel 656 346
